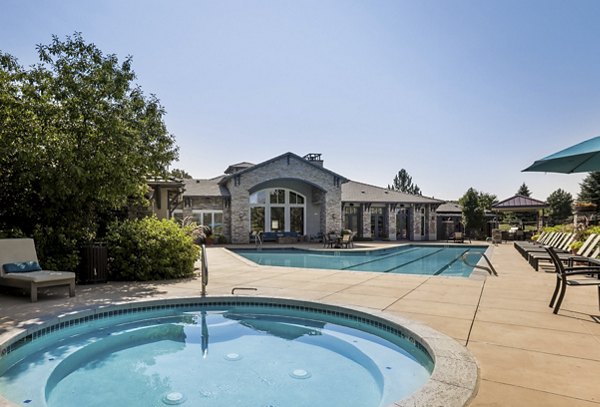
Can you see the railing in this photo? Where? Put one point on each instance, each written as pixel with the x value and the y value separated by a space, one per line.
pixel 234 289
pixel 491 270
pixel 204 270
pixel 258 240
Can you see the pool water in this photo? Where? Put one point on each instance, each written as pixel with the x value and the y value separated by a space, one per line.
pixel 410 259
pixel 238 356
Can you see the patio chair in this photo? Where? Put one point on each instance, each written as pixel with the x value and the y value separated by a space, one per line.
pixel 579 276
pixel 347 240
pixel 19 267
pixel 458 237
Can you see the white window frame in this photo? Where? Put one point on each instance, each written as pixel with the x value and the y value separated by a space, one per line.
pixel 286 205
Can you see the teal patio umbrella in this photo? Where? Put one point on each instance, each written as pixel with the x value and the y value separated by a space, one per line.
pixel 582 157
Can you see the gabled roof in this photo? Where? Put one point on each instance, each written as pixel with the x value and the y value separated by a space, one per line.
pixel 238 167
pixel 449 207
pixel 353 191
pixel 279 157
pixel 205 187
pixel 519 202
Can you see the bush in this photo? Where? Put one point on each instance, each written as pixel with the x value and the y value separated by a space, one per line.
pixel 576 245
pixel 150 249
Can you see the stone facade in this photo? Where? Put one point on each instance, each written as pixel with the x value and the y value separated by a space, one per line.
pixel 397 215
pixel 326 193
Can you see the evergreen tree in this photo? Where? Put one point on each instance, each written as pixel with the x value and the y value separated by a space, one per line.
pixel 590 189
pixel 560 205
pixel 524 190
pixel 403 183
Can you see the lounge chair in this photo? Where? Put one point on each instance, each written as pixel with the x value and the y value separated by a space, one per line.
pixel 544 239
pixel 583 254
pixel 19 255
pixel 562 245
pixel 579 276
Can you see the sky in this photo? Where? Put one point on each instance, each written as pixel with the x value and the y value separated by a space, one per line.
pixel 459 93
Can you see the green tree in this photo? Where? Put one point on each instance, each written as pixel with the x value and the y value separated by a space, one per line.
pixel 181 174
pixel 560 205
pixel 590 189
pixel 486 200
pixel 403 183
pixel 524 190
pixel 77 141
pixel 473 213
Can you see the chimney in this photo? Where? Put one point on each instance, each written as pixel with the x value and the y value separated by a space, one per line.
pixel 314 158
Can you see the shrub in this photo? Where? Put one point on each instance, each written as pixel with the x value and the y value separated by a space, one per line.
pixel 150 249
pixel 576 245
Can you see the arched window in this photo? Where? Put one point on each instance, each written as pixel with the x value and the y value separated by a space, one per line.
pixel 277 210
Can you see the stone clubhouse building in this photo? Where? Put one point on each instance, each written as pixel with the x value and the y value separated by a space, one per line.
pixel 290 197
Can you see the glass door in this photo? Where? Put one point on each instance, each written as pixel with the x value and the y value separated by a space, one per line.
pixel 377 223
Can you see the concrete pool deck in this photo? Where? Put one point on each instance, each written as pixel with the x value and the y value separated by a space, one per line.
pixel 527 355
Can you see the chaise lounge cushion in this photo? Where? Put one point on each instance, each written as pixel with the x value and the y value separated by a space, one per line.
pixel 42 276
pixel 21 267
pixel 22 250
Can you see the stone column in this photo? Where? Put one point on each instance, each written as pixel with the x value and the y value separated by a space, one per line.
pixel 333 211
pixel 240 213
pixel 416 223
pixel 432 223
pixel 391 222
pixel 366 220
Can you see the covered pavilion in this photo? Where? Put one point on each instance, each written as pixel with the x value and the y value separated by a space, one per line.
pixel 520 204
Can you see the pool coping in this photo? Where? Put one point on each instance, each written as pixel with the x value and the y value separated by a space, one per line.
pixel 476 274
pixel 454 380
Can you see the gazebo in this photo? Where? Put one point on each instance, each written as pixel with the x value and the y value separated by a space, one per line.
pixel 521 203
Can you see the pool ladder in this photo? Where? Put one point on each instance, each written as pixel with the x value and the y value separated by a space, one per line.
pixel 491 270
pixel 204 270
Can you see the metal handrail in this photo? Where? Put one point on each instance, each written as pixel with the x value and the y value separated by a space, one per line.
pixel 234 289
pixel 491 270
pixel 257 240
pixel 204 270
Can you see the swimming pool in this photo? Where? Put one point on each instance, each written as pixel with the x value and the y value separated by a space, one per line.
pixel 231 351
pixel 408 259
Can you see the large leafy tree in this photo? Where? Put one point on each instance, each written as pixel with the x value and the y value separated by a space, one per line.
pixel 486 200
pixel 560 204
pixel 403 183
pixel 524 190
pixel 77 141
pixel 474 204
pixel 590 189
pixel 473 213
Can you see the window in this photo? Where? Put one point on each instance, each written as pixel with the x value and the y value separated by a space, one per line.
pixel 297 220
pixel 351 218
pixel 257 219
pixel 277 196
pixel 258 198
pixel 296 199
pixel 284 211
pixel 214 219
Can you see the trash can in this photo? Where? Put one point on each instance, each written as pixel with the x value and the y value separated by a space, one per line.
pixel 93 267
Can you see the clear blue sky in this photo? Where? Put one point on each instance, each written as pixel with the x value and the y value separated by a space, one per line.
pixel 459 93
